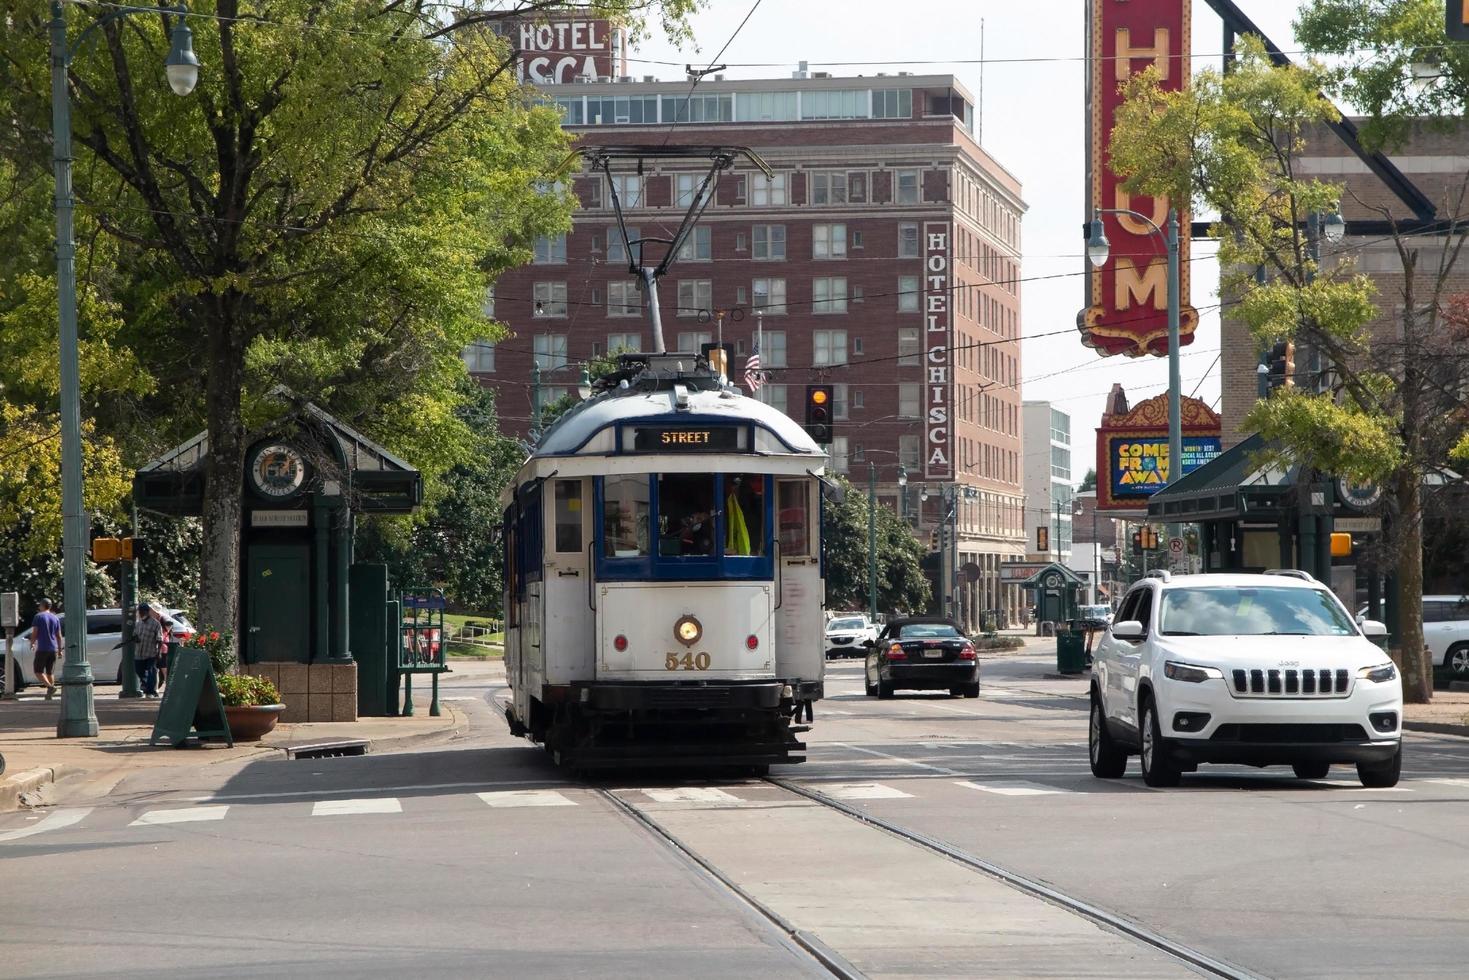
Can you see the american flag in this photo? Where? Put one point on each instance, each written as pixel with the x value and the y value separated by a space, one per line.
pixel 753 377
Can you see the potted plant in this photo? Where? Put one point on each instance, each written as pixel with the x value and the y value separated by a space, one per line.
pixel 251 704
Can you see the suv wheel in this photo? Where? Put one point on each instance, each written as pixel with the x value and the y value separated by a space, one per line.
pixel 1381 775
pixel 1158 770
pixel 1457 660
pixel 1108 761
pixel 884 690
pixel 1311 770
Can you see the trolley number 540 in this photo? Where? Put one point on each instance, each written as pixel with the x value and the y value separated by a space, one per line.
pixel 687 661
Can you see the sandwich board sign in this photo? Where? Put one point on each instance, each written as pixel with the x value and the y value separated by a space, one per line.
pixel 191 704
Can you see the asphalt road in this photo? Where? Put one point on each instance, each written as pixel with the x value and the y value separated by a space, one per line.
pixel 475 857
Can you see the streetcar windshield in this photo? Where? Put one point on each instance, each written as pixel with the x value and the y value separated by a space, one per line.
pixel 744 515
pixel 625 516
pixel 686 515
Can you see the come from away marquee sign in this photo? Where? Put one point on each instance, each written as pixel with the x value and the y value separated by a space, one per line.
pixel 1132 450
pixel 1127 298
pixel 1140 466
pixel 937 304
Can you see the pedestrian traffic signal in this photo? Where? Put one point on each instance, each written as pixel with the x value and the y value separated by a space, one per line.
pixel 1145 539
pixel 818 413
pixel 115 549
pixel 1283 365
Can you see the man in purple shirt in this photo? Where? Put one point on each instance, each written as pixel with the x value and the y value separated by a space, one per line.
pixel 46 642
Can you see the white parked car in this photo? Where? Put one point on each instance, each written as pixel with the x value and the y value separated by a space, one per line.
pixel 104 633
pixel 1445 632
pixel 848 635
pixel 1101 613
pixel 1258 670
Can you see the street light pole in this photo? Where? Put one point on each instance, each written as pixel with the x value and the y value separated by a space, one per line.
pixel 871 541
pixel 78 709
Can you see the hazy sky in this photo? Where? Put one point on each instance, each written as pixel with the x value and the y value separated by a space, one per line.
pixel 1033 127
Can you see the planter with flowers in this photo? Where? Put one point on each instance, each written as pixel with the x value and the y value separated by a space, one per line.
pixel 252 704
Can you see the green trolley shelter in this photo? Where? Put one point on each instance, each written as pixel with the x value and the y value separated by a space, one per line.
pixel 313 623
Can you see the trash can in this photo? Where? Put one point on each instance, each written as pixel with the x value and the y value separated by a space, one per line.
pixel 1070 652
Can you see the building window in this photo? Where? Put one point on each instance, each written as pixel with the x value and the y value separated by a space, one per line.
pixel 829 295
pixel 699 246
pixel 908 400
pixel 840 104
pixel 828 188
pixel 479 357
pixel 839 454
pixel 906 187
pixel 767 193
pixel 622 110
pixel 487 304
pixel 892 103
pixel 1060 427
pixel 773 349
pixel 550 350
pixel 550 249
pixel 829 241
pixel 828 347
pixel 769 296
pixel 858 401
pixel 774 396
pixel 907 241
pixel 695 296
pixel 839 407
pixel 698 108
pixel 857 346
pixel 684 188
pixel 573 111
pixel 908 452
pixel 856 238
pixel 1060 463
pixel 766 107
pixel 907 294
pixel 769 242
pixel 550 298
pixel 630 342
pixel 629 189
pixel 616 252
pixel 908 347
pixel 856 189
pixel 694 341
pixel 623 299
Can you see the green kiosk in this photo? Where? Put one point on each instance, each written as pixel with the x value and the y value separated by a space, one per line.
pixel 318 626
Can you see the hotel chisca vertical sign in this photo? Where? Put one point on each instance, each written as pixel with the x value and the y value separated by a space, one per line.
pixel 1127 298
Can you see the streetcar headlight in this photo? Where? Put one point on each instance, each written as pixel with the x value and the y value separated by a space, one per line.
pixel 687 631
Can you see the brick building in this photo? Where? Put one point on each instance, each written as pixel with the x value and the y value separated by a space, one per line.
pixel 877 179
pixel 1437 162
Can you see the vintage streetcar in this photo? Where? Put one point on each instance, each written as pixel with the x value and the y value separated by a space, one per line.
pixel 664 577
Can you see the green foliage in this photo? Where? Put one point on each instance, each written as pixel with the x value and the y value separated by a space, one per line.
pixel 245 690
pixel 901 585
pixel 1379 42
pixel 219 646
pixel 1317 431
pixel 1089 482
pixel 999 643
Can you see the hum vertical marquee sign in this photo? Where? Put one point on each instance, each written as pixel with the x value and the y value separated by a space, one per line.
pixel 1127 298
pixel 937 301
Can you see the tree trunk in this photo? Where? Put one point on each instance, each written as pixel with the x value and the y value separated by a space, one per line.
pixel 1417 672
pixel 219 579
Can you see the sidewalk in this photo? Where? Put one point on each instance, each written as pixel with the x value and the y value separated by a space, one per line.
pixel 35 757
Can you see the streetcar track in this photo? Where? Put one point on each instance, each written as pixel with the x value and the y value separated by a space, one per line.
pixel 1030 886
pixel 828 958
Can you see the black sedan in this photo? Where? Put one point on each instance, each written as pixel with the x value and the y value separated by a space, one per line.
pixel 928 653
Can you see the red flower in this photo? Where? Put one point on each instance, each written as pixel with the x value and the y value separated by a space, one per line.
pixel 214 635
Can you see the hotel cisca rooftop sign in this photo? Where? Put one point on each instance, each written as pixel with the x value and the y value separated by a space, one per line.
pixel 1127 298
pixel 554 52
pixel 937 302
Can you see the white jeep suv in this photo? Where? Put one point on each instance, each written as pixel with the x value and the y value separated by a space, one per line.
pixel 1259 670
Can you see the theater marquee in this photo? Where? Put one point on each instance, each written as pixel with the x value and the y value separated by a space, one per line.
pixel 1127 298
pixel 1132 450
pixel 937 303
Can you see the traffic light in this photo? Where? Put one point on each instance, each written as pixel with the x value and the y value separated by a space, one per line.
pixel 1283 365
pixel 818 413
pixel 1456 20
pixel 1145 539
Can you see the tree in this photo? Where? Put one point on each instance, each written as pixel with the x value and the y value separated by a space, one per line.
pixel 1089 482
pixel 1389 411
pixel 901 584
pixel 325 210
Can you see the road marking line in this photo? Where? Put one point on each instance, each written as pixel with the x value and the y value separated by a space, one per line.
pixel 55 820
pixel 898 758
pixel 691 794
pixel 191 814
pixel 1447 781
pixel 1019 788
pixel 864 791
pixel 525 797
pixel 293 794
pixel 337 808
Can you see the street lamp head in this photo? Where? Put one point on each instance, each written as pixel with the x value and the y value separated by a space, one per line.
pixel 584 386
pixel 182 65
pixel 902 475
pixel 923 494
pixel 1097 246
pixel 1335 227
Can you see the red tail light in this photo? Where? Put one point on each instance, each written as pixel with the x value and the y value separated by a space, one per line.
pixel 752 641
pixel 895 652
pixel 966 652
pixel 619 643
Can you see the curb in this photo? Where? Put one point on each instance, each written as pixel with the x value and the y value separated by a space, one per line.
pixel 1436 728
pixel 12 788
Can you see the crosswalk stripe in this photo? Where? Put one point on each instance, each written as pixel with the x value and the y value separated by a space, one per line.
pixel 1018 788
pixel 691 794
pixel 863 791
pixel 525 797
pixel 55 820
pixel 338 808
pixel 1447 781
pixel 192 814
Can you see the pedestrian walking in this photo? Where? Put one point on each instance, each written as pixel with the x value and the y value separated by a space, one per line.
pixel 46 640
pixel 147 646
pixel 166 645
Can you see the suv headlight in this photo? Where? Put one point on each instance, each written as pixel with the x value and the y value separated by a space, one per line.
pixel 1188 672
pixel 1380 674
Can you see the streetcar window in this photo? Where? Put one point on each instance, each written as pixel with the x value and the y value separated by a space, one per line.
pixel 686 514
pixel 794 518
pixel 568 515
pixel 744 515
pixel 625 516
